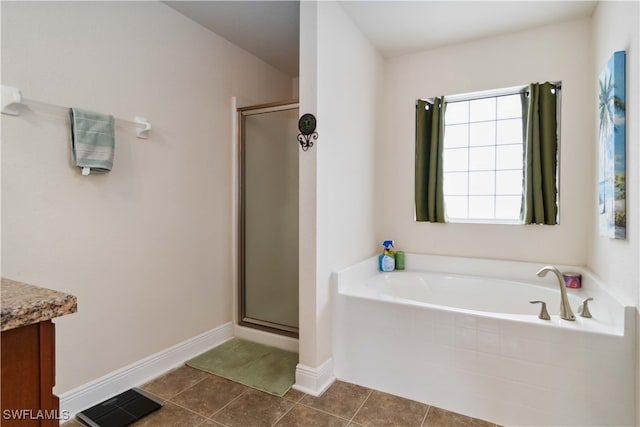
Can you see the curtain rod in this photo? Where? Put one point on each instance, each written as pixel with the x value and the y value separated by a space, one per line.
pixel 472 96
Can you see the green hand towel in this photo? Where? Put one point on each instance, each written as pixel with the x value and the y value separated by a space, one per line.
pixel 93 140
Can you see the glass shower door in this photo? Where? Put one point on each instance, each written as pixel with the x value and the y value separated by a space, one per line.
pixel 269 219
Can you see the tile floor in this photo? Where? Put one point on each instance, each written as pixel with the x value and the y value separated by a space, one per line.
pixel 194 398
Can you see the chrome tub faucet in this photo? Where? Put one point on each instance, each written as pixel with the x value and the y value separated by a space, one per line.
pixel 565 309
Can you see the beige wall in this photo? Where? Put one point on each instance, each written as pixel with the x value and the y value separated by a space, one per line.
pixel 557 52
pixel 307 164
pixel 145 248
pixel 616 27
pixel 342 89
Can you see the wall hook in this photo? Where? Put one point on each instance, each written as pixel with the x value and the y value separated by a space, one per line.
pixel 308 134
pixel 142 133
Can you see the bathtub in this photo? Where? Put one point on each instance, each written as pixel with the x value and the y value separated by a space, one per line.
pixel 461 334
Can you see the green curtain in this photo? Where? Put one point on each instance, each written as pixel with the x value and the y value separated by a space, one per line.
pixel 540 194
pixel 429 143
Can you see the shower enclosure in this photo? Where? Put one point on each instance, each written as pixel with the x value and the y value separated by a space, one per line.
pixel 268 234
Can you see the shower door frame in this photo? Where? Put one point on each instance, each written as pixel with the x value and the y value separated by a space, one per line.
pixel 243 319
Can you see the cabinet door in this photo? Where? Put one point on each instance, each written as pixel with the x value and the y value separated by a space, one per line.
pixel 28 376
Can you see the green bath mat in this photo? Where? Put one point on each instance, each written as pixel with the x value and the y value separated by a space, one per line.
pixel 259 366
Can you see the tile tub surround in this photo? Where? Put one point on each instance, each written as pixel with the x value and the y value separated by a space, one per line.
pixel 513 370
pixel 23 304
pixel 193 398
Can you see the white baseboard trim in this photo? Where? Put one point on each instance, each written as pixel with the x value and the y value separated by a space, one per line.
pixel 267 338
pixel 138 373
pixel 314 381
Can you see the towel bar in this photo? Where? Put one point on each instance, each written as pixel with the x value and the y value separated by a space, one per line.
pixel 12 99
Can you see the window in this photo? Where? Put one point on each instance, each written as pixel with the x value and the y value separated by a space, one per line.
pixel 483 157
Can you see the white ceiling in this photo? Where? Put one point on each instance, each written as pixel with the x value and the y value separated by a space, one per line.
pixel 270 29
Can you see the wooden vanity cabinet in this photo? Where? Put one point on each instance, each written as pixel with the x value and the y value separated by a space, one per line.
pixel 28 376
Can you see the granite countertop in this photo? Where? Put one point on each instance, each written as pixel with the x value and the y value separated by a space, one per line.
pixel 22 304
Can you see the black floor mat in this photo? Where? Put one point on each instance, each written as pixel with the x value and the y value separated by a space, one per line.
pixel 121 410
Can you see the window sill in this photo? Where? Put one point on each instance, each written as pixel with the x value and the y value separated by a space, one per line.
pixel 485 221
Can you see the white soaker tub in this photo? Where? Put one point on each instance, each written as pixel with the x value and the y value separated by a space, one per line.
pixel 460 334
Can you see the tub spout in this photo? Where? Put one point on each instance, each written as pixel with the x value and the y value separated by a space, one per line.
pixel 565 309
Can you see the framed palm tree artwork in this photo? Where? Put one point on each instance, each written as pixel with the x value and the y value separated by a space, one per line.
pixel 612 142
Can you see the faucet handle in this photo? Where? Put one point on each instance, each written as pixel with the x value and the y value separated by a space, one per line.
pixel 583 310
pixel 544 314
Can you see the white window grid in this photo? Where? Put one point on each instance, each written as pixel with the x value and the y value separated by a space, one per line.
pixel 497 195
